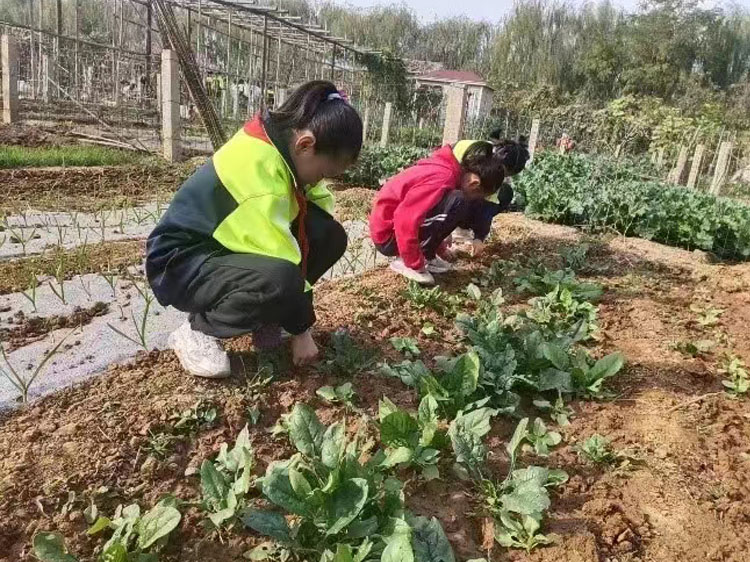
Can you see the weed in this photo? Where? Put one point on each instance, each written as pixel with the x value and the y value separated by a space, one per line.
pixel 738 381
pixel 707 316
pixel 559 412
pixel 407 346
pixel 344 357
pixel 60 278
pixel 694 348
pixel 200 415
pixel 575 256
pixel 435 299
pixel 44 156
pixel 159 444
pixel 598 450
pixel 110 277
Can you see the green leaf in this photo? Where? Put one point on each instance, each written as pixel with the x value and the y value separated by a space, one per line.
pixel 430 472
pixel 474 292
pixel 556 355
pixel 518 436
pixel 429 541
pixel 386 407
pixel 607 366
pixel 554 379
pixel 268 523
pixel 299 483
pixel 327 393
pixel 526 497
pixel 214 485
pixel 464 375
pixel 278 489
pixel 158 522
pixel 343 553
pixel 50 547
pixel 114 553
pixel 427 417
pixel 305 430
pixel 397 456
pixel 345 504
pixel 466 432
pixel 399 429
pixel 99 525
pixel 398 546
pixel 333 445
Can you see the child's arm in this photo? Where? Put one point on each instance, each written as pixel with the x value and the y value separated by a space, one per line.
pixel 408 219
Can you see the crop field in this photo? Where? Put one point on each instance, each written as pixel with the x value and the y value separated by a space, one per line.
pixel 578 394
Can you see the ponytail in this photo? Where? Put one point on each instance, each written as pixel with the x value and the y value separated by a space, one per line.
pixel 319 107
pixel 512 154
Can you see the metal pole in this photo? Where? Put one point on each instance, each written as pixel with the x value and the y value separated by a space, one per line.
pixel 264 60
pixel 149 17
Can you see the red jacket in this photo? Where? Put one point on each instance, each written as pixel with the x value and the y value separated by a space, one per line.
pixel 404 201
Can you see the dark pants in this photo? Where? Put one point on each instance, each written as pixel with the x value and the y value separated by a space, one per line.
pixel 234 294
pixel 442 219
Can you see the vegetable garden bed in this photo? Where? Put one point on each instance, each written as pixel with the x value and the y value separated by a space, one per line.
pixel 666 480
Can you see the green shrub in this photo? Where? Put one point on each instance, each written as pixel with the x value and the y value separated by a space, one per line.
pixel 599 193
pixel 377 164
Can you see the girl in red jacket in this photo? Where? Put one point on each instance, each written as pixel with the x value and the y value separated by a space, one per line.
pixel 417 209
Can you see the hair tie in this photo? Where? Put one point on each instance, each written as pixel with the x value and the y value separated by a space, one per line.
pixel 340 95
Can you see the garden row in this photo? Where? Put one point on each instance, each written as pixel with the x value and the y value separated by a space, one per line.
pixel 343 494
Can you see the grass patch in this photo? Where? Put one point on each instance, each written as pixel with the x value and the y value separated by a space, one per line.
pixel 15 275
pixel 40 157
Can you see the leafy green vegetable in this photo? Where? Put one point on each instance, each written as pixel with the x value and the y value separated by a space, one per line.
pixel 345 357
pixel 541 439
pixel 407 346
pixel 738 381
pixel 598 450
pixel 342 394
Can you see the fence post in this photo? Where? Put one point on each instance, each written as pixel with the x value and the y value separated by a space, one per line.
pixel 695 166
pixel 280 97
pixel 534 137
pixel 455 113
pixel 365 124
pixel 678 172
pixel 722 165
pixel 660 158
pixel 170 105
pixel 10 78
pixel 386 124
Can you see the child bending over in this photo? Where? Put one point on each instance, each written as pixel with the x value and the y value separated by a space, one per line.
pixel 249 233
pixel 416 210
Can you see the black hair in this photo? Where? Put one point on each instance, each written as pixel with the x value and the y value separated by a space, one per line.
pixel 480 160
pixel 319 107
pixel 513 153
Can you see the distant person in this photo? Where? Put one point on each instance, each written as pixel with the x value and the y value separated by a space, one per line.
pixel 416 211
pixel 565 144
pixel 250 232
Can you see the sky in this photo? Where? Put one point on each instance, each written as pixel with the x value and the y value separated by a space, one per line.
pixel 490 10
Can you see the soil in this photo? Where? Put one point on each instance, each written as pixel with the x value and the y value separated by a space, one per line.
pixel 25 135
pixel 354 203
pixel 89 188
pixel 28 329
pixel 685 495
pixel 15 274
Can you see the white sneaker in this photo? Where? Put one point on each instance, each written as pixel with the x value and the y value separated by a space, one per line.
pixel 438 265
pixel 199 354
pixel 422 277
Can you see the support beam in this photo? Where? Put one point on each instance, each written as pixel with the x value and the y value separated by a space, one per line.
pixel 722 167
pixel 9 56
pixel 170 104
pixel 455 113
pixel 387 113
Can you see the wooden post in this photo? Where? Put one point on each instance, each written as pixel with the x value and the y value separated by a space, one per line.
pixel 386 124
pixel 695 166
pixel 455 113
pixel 678 172
pixel 149 20
pixel 77 5
pixel 722 165
pixel 534 137
pixel 365 124
pixel 45 78
pixel 10 78
pixel 170 105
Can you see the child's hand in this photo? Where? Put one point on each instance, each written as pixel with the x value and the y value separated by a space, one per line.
pixel 477 248
pixel 304 350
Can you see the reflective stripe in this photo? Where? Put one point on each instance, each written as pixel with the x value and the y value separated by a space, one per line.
pixel 436 218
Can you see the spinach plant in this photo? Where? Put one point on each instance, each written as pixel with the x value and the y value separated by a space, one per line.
pixel 411 440
pixel 345 357
pixel 342 394
pixel 226 481
pixel 737 382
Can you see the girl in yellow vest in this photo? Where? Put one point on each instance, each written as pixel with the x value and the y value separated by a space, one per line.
pixel 250 232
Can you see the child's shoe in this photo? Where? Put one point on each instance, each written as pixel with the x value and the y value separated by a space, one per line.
pixel 199 354
pixel 438 265
pixel 422 277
